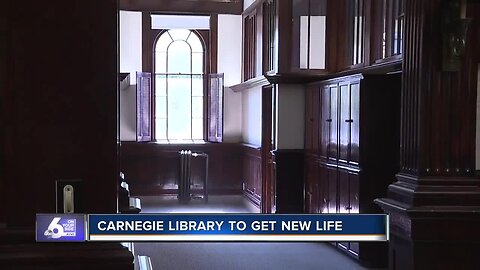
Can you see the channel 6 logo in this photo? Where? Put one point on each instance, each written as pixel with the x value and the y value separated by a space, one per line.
pixel 60 227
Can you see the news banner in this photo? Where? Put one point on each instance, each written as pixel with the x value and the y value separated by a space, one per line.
pixel 211 227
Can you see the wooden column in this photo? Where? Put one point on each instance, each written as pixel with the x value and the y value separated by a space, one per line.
pixel 434 205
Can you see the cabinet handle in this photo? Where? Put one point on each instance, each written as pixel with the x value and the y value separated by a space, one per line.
pixel 328 120
pixel 348 208
pixel 349 120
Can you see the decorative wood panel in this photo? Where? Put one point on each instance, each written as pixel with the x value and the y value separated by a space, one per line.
pixel 438 107
pixel 3 78
pixel 269 11
pixel 62 117
pixel 250 46
pixel 252 173
pixel 436 179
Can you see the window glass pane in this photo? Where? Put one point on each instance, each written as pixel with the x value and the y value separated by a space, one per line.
pixel 160 62
pixel 318 28
pixel 303 41
pixel 197 107
pixel 160 107
pixel 179 107
pixel 160 85
pixel 160 128
pixel 179 34
pixel 197 63
pixel 162 43
pixel 197 85
pixel 197 125
pixel 179 58
pixel 195 43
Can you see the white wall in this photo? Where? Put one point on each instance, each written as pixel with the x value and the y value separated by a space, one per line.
pixel 130 43
pixel 290 116
pixel 130 61
pixel 229 63
pixel 247 3
pixel 252 116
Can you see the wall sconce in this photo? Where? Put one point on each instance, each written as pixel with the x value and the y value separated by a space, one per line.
pixel 454 33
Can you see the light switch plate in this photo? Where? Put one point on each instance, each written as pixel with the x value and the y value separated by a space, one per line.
pixel 69 188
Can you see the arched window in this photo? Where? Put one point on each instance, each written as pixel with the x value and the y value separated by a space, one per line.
pixel 179 86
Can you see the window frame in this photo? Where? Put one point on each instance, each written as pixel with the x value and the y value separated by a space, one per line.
pixel 210 37
pixel 201 34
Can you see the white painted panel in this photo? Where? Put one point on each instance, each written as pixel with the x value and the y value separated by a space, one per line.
pixel 130 43
pixel 180 22
pixel 252 116
pixel 229 63
pixel 290 116
pixel 318 28
pixel 130 62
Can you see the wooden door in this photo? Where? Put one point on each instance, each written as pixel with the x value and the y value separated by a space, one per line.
pixel 268 165
pixel 333 127
pixel 344 122
pixel 355 123
pixel 325 121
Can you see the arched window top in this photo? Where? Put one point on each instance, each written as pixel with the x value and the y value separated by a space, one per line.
pixel 169 37
pixel 179 51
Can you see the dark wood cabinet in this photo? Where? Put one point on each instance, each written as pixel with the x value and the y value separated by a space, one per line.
pixel 352 149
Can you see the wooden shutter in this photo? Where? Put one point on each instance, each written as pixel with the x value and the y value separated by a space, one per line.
pixel 215 108
pixel 144 130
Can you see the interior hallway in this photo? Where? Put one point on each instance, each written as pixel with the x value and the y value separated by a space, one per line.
pixel 213 256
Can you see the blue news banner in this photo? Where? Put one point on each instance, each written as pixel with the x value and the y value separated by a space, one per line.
pixel 212 227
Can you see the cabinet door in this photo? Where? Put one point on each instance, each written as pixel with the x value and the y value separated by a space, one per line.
pixel 343 198
pixel 325 121
pixel 315 119
pixel 332 190
pixel 354 204
pixel 355 123
pixel 323 190
pixel 354 193
pixel 344 122
pixel 333 141
pixel 343 191
pixel 308 119
pixel 311 180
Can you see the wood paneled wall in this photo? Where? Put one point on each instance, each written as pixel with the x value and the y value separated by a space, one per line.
pixel 152 169
pixel 60 105
pixel 3 86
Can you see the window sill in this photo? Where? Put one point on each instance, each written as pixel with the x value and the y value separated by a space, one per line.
pixel 180 142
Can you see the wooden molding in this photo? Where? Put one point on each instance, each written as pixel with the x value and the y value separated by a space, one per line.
pixel 184 6
pixel 254 82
